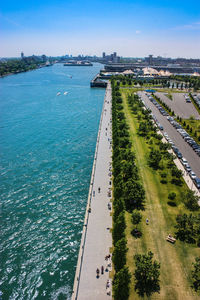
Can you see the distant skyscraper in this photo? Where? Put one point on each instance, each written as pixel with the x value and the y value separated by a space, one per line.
pixel 22 55
pixel 115 54
pixel 150 59
pixel 104 55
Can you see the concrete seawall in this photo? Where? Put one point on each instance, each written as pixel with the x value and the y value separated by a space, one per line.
pixel 96 236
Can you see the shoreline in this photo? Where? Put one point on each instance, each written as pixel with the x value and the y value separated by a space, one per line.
pixel 9 74
pixel 80 290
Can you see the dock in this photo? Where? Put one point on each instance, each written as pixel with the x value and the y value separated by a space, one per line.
pixel 98 81
pixel 96 235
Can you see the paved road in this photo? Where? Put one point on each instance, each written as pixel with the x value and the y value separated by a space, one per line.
pixel 179 105
pixel 98 238
pixel 192 158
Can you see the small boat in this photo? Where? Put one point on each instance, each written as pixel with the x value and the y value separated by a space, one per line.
pixel 65 93
pixel 58 94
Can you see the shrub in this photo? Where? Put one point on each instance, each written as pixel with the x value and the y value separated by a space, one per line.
pixel 171 203
pixel 172 196
pixel 176 181
pixel 163 181
pixel 163 175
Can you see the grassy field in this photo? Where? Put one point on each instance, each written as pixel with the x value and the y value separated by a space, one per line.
pixel 176 260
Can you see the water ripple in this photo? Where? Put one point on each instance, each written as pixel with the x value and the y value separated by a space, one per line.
pixel 47 145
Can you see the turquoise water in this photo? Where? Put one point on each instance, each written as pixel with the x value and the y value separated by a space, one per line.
pixel 47 146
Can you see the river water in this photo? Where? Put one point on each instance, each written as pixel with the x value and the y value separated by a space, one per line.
pixel 47 145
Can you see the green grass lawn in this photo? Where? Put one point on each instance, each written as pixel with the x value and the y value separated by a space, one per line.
pixel 176 260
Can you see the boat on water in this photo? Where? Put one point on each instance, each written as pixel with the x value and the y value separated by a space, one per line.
pixel 78 63
pixel 65 93
pixel 58 94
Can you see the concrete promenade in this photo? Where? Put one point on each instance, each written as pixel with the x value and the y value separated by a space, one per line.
pixel 96 237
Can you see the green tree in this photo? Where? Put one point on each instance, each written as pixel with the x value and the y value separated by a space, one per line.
pixel 134 195
pixel 119 206
pixel 176 172
pixel 119 254
pixel 119 228
pixel 185 228
pixel 154 158
pixel 143 129
pixel 136 217
pixel 191 201
pixel 121 284
pixel 146 274
pixel 196 274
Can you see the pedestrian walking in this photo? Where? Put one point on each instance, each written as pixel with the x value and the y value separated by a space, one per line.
pixel 97 271
pixel 102 269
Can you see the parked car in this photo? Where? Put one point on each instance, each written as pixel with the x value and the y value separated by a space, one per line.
pixel 192 175
pixel 197 182
pixel 187 167
pixel 184 160
pixel 179 154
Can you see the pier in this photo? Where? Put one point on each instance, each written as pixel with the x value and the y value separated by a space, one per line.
pixel 96 235
pixel 97 81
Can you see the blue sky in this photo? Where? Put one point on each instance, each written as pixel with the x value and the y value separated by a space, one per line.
pixel 131 28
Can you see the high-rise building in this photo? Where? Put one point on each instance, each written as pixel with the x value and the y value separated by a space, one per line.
pixel 150 59
pixel 104 55
pixel 22 55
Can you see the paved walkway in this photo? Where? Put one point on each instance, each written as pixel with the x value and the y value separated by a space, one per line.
pixel 96 237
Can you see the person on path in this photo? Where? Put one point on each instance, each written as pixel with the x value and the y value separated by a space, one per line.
pixel 102 269
pixel 147 221
pixel 97 271
pixel 99 189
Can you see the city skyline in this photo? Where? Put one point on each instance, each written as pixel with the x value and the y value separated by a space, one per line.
pixel 131 29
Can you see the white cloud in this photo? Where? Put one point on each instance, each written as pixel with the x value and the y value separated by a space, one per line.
pixel 138 31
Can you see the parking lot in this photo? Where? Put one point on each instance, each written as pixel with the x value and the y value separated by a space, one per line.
pixel 187 152
pixel 179 105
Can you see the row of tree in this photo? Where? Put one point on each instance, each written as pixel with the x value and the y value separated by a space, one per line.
pixel 123 158
pixel 18 66
pixel 191 81
pixel 164 105
pixel 177 82
pixel 187 227
pixel 128 195
pixel 147 271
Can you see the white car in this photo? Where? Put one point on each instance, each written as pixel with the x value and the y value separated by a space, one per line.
pixel 192 175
